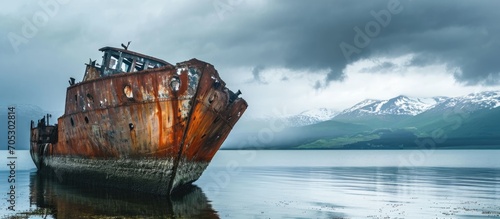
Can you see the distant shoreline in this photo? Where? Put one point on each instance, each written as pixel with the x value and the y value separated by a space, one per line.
pixel 485 147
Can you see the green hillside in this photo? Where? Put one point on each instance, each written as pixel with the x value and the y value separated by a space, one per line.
pixel 485 123
pixel 375 121
pixel 444 129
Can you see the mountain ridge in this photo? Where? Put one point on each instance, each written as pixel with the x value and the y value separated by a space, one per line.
pixel 404 105
pixel 401 105
pixel 398 123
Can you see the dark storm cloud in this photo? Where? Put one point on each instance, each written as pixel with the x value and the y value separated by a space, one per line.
pixel 306 35
pixel 294 34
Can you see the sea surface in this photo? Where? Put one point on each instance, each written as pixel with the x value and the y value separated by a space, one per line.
pixel 286 184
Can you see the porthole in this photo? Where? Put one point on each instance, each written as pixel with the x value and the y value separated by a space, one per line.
pixel 212 98
pixel 128 92
pixel 175 84
pixel 90 98
pixel 86 120
pixel 131 126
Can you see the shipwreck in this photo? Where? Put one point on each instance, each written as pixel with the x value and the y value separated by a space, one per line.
pixel 138 122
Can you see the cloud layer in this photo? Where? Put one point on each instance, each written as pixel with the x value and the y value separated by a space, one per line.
pixel 302 36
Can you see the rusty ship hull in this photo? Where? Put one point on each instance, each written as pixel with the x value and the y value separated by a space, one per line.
pixel 153 130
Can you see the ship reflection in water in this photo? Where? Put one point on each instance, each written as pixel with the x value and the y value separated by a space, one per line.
pixel 58 200
pixel 290 184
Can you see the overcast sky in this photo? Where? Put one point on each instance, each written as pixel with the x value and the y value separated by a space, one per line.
pixel 286 55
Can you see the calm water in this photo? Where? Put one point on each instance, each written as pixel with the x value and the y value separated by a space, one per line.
pixel 291 184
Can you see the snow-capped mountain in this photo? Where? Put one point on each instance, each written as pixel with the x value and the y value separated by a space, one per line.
pixel 309 117
pixel 397 106
pixel 471 102
pixel 410 106
pixel 401 105
pixel 320 114
pixel 304 118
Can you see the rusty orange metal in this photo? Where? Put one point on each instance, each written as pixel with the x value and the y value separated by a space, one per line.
pixel 168 120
